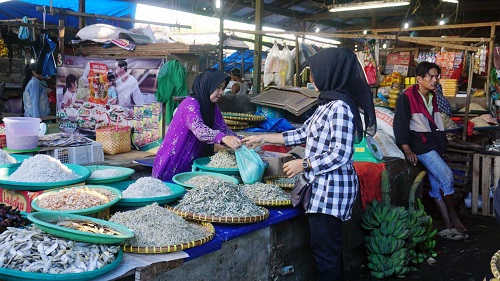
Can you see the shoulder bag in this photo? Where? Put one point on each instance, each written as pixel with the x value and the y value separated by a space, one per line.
pixel 301 192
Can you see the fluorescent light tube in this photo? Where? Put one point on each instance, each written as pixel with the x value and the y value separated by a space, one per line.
pixel 368 5
pixel 450 1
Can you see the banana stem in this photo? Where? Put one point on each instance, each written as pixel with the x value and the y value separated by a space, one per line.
pixel 384 188
pixel 413 189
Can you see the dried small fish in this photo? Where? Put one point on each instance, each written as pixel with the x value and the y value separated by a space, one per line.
pixel 155 226
pixel 204 180
pixel 31 250
pixel 75 198
pixel 285 180
pixel 223 159
pixel 42 168
pixel 265 192
pixel 106 173
pixel 224 200
pixel 146 187
pixel 88 226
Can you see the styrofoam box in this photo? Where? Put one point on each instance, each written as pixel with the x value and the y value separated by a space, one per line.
pixel 85 154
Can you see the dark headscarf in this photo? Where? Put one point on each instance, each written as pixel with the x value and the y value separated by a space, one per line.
pixel 203 86
pixel 339 76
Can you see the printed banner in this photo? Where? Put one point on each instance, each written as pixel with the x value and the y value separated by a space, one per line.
pixel 94 92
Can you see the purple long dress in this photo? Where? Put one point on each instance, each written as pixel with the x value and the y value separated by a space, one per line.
pixel 185 138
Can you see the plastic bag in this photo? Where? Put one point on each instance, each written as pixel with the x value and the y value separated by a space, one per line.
pixel 371 74
pixel 250 165
pixel 272 65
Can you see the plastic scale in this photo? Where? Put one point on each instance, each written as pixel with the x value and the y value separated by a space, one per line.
pixel 367 150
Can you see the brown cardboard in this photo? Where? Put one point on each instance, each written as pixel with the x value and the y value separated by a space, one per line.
pixel 293 99
pixel 275 161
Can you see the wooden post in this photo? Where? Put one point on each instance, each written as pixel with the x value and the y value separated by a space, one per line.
pixel 221 39
pixel 297 62
pixel 61 37
pixel 81 9
pixel 257 58
pixel 467 102
pixel 490 62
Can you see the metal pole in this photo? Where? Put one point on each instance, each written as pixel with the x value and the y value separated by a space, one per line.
pixel 297 62
pixel 85 15
pixel 257 58
pixel 221 39
pixel 81 9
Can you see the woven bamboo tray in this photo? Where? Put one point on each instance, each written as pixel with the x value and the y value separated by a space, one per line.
pixel 273 180
pixel 237 127
pixel 494 265
pixel 275 203
pixel 242 117
pixel 201 217
pixel 172 248
pixel 236 123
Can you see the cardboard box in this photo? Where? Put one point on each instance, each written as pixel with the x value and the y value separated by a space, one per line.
pixel 292 99
pixel 20 199
pixel 275 161
pixel 399 58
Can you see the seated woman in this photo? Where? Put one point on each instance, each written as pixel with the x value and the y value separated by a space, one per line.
pixel 196 126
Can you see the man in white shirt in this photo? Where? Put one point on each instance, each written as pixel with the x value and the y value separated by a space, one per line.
pixel 127 87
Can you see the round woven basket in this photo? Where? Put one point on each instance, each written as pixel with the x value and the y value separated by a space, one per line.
pixel 173 248
pixel 242 117
pixel 271 203
pixel 274 180
pixel 494 265
pixel 201 217
pixel 234 123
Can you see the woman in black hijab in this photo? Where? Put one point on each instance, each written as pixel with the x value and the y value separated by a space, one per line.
pixel 329 135
pixel 196 126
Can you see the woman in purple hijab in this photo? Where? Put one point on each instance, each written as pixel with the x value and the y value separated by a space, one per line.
pixel 196 126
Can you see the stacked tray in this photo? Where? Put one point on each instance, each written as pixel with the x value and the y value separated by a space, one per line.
pixel 241 121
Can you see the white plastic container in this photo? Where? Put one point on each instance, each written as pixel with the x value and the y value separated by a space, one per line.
pixel 22 132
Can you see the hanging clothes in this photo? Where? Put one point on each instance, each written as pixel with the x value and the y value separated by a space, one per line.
pixel 46 63
pixel 24 31
pixel 171 82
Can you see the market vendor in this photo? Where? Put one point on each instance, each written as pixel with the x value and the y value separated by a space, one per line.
pixel 239 86
pixel 35 99
pixel 329 135
pixel 419 132
pixel 196 126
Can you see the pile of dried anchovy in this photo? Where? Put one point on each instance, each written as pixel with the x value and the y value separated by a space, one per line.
pixel 155 226
pixel 225 200
pixel 265 192
pixel 205 180
pixel 223 159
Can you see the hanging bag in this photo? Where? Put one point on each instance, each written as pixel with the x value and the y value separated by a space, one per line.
pixel 301 192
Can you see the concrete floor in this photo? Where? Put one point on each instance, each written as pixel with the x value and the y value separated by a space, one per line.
pixel 467 260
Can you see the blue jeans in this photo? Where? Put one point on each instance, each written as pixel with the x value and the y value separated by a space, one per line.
pixel 440 175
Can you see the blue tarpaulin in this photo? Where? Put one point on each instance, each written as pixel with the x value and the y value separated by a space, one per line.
pixel 21 8
pixel 234 61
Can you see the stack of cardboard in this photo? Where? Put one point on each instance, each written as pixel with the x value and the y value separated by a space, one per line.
pixel 292 99
pixel 450 87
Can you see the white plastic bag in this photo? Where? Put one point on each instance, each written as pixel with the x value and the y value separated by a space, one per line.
pixel 272 65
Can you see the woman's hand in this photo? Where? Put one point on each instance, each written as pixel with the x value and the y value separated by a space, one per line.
pixel 232 142
pixel 293 168
pixel 254 140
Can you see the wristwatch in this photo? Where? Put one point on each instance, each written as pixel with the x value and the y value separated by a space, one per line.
pixel 305 164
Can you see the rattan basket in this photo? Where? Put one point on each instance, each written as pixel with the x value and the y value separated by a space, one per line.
pixel 236 123
pixel 173 248
pixel 494 265
pixel 202 217
pixel 242 117
pixel 271 203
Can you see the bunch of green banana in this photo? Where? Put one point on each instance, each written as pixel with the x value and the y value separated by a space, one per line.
pixel 385 245
pixel 421 234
